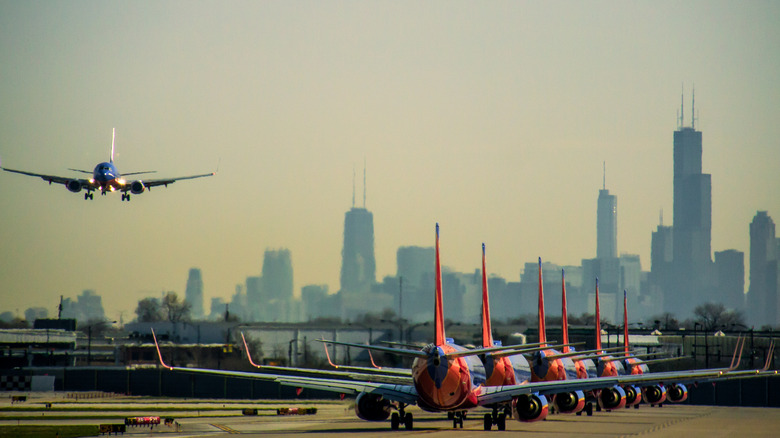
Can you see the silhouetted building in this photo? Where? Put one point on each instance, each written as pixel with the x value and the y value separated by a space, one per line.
pixel 730 272
pixel 606 225
pixel 194 293
pixel 277 286
pixel 218 308
pixel 317 303
pixel 358 265
pixel 252 299
pixel 87 307
pixel 762 295
pixel 34 313
pixel 415 265
pixel 692 227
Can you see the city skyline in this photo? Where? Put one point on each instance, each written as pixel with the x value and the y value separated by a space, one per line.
pixel 493 120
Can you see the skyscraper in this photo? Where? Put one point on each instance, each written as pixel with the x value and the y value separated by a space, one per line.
pixel 730 272
pixel 692 227
pixel 606 224
pixel 358 265
pixel 762 295
pixel 194 293
pixel 277 286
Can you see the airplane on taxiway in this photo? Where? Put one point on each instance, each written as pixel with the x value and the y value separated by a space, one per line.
pixel 449 378
pixel 106 178
pixel 445 378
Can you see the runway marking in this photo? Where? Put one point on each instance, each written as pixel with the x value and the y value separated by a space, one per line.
pixel 224 428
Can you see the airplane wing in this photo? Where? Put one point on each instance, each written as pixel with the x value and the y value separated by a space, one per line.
pixel 148 183
pixel 400 393
pixel 52 178
pixel 498 394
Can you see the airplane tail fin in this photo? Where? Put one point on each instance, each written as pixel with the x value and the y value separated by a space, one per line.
pixel 159 354
pixel 113 137
pixel 625 322
pixel 542 330
pixel 598 318
pixel 438 321
pixel 564 314
pixel 487 333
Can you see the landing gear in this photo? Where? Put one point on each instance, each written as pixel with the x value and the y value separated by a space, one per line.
pixel 457 419
pixel 401 417
pixel 490 419
pixel 87 195
pixel 126 196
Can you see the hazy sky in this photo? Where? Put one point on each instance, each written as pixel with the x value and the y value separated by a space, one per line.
pixel 492 118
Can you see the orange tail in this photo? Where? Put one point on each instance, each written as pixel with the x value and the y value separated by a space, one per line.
pixel 487 332
pixel 625 322
pixel 542 330
pixel 438 322
pixel 564 314
pixel 598 318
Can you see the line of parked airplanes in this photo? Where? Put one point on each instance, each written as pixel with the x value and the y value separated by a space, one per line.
pixel 446 377
pixel 106 179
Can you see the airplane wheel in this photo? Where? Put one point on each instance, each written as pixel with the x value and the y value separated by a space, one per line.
pixel 408 422
pixel 450 415
pixel 589 409
pixel 488 421
pixel 501 423
pixel 394 421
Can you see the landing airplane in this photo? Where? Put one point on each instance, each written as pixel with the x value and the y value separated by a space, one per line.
pixel 445 378
pixel 106 178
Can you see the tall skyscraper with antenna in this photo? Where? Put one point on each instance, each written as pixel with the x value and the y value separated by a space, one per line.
pixel 606 222
pixel 692 223
pixel 358 265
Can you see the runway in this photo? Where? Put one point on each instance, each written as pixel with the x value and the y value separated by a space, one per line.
pixel 198 418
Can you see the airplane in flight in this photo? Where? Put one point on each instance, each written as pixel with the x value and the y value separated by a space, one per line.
pixel 106 178
pixel 445 378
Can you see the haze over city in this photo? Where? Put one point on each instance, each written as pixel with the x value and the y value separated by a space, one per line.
pixel 491 119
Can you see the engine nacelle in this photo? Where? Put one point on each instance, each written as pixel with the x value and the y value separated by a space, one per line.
pixel 677 393
pixel 137 187
pixel 654 394
pixel 73 185
pixel 633 395
pixel 372 407
pixel 530 407
pixel 570 402
pixel 612 398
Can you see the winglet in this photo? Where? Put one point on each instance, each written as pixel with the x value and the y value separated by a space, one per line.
pixel 487 332
pixel 769 354
pixel 327 354
pixel 564 314
pixel 113 137
pixel 734 361
pixel 438 322
pixel 162 362
pixel 371 356
pixel 248 354
pixel 625 322
pixel 598 317
pixel 542 330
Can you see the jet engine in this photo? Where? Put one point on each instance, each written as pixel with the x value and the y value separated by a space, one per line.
pixel 677 393
pixel 570 402
pixel 612 398
pixel 530 407
pixel 372 407
pixel 73 185
pixel 632 395
pixel 137 187
pixel 654 394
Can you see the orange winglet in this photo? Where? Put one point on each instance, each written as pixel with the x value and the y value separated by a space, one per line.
pixel 162 362
pixel 769 355
pixel 248 355
pixel 736 360
pixel 372 360
pixel 327 354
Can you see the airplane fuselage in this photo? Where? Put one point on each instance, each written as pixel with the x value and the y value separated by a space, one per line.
pixel 447 384
pixel 106 177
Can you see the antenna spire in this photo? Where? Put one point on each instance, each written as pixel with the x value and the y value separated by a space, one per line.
pixel 364 182
pixel 661 217
pixel 353 186
pixel 604 176
pixel 682 106
pixel 693 111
